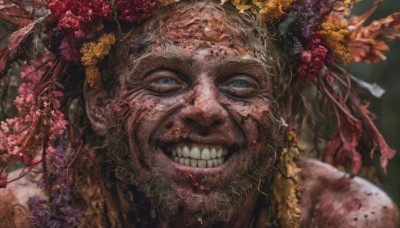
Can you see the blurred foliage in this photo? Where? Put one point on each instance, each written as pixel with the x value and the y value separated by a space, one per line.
pixel 387 108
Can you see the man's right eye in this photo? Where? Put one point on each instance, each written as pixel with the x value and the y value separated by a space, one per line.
pixel 163 81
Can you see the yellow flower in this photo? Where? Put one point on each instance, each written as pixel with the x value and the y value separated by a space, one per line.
pixel 93 75
pixel 93 53
pixel 336 34
pixel 241 5
pixel 272 9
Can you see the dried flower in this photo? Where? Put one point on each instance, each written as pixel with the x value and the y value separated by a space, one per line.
pixel 335 32
pixel 312 59
pixel 367 43
pixel 77 17
pixel 93 53
pixel 272 9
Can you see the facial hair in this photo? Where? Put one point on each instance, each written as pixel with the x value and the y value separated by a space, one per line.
pixel 159 194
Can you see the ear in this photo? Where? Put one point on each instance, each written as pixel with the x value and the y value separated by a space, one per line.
pixel 97 104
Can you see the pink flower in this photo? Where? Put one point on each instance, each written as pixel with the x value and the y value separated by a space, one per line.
pixel 312 59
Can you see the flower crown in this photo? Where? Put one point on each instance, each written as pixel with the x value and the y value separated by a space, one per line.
pixel 320 36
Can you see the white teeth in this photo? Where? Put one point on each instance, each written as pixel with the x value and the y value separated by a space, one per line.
pixel 213 153
pixel 205 154
pixel 179 151
pixel 202 163
pixel 215 162
pixel 202 157
pixel 219 153
pixel 187 161
pixel 195 153
pixel 193 162
pixel 186 152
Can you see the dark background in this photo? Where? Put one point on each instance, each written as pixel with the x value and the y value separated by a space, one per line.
pixel 387 108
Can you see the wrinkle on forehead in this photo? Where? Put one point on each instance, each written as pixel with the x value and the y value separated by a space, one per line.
pixel 204 28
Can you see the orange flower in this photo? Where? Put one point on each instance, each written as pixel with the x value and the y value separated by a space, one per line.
pixel 368 43
pixel 272 9
pixel 335 32
pixel 93 53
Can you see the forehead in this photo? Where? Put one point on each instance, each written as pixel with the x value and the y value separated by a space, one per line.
pixel 205 29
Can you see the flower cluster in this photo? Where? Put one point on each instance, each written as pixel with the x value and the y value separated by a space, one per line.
pixel 78 18
pixel 58 210
pixel 312 59
pixel 39 120
pixel 93 53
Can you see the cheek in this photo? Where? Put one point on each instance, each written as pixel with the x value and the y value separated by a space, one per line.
pixel 252 118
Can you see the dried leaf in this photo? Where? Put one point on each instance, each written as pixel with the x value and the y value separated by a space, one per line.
pixel 377 139
pixel 20 37
pixel 14 15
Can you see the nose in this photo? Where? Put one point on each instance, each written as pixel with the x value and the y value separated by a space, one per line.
pixel 203 108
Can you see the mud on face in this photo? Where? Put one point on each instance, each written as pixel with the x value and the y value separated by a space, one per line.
pixel 194 116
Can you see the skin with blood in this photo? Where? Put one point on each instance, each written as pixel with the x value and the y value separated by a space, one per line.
pixel 198 81
pixel 188 88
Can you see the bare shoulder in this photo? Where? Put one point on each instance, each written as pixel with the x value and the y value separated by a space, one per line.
pixel 331 198
pixel 14 211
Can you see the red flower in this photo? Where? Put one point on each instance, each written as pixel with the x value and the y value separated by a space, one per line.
pixel 78 17
pixel 312 59
pixel 135 11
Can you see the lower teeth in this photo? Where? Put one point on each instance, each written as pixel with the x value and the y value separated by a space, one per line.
pixel 210 163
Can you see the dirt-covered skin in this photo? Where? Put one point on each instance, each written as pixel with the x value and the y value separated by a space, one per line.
pixel 196 85
pixel 331 198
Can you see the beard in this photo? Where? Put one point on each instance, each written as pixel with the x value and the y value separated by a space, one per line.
pixel 160 194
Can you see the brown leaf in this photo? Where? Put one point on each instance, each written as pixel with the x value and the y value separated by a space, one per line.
pixel 14 15
pixel 18 37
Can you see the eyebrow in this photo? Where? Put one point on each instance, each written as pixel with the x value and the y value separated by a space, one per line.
pixel 168 57
pixel 165 56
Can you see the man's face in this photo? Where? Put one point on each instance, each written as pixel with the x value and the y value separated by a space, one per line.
pixel 196 114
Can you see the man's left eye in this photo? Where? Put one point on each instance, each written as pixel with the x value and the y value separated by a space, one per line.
pixel 165 81
pixel 240 86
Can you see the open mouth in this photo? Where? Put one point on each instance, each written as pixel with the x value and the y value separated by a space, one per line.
pixel 201 156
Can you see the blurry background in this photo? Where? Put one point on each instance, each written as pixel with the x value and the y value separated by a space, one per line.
pixel 387 108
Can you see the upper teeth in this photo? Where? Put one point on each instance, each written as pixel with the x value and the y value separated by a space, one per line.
pixel 199 157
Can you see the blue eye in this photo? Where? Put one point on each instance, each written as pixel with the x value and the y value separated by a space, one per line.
pixel 165 81
pixel 240 84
